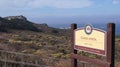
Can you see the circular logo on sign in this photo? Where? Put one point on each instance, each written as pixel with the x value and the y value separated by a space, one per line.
pixel 88 29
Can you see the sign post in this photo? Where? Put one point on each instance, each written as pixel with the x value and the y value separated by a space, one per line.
pixel 111 43
pixel 96 41
pixel 74 61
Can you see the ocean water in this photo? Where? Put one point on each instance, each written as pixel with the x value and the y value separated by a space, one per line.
pixel 66 21
pixel 97 21
pixel 102 26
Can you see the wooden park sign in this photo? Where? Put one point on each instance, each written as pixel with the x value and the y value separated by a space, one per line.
pixel 96 41
pixel 90 39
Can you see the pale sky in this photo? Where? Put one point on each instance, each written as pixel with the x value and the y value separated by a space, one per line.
pixel 59 7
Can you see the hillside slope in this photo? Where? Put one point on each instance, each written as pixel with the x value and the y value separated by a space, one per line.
pixel 21 23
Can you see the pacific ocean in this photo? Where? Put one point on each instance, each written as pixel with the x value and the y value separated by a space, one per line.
pixel 102 26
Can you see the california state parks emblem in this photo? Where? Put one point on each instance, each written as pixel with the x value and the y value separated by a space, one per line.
pixel 88 29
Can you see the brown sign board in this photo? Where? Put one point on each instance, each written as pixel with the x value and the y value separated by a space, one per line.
pixel 90 39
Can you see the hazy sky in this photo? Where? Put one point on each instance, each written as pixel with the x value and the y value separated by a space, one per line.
pixel 59 8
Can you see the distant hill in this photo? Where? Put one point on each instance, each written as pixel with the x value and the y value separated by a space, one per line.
pixel 21 23
pixel 16 22
pixel 50 30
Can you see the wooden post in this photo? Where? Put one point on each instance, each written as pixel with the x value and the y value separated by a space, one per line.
pixel 73 60
pixel 111 43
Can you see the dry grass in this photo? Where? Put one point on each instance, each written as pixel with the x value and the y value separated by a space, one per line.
pixel 117 64
pixel 62 64
pixel 54 50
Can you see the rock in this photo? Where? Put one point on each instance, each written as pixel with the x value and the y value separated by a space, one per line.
pixel 20 17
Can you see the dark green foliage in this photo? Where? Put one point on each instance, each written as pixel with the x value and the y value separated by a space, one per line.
pixel 23 25
pixel 3 29
pixel 55 31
